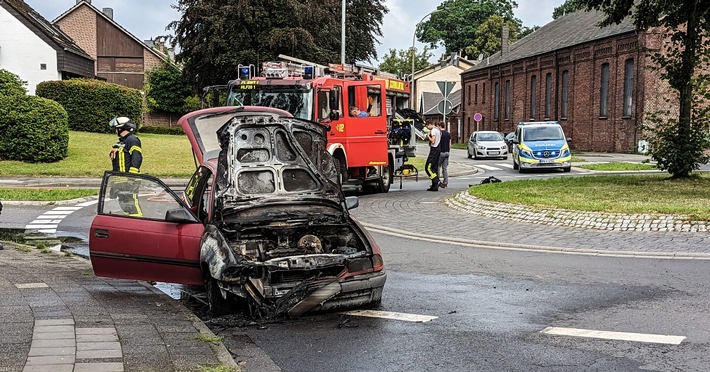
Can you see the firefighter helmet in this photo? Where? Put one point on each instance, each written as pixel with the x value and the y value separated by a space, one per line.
pixel 123 123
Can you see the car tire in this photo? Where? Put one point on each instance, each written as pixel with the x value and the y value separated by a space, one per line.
pixel 515 165
pixel 386 179
pixel 567 169
pixel 218 305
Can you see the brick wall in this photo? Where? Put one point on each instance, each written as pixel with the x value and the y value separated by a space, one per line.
pixel 160 119
pixel 589 130
pixel 81 26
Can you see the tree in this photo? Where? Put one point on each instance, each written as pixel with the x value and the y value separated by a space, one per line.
pixel 216 36
pixel 487 38
pixel 569 6
pixel 456 22
pixel 679 142
pixel 399 62
pixel 165 90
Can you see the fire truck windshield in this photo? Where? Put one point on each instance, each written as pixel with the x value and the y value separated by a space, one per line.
pixel 295 99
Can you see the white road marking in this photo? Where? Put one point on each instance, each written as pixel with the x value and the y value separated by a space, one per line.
pixel 43 217
pixel 55 212
pixel 391 315
pixel 88 203
pixel 35 227
pixel 487 167
pixel 505 165
pixel 606 335
pixel 67 208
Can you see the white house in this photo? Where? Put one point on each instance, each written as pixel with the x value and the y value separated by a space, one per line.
pixel 35 50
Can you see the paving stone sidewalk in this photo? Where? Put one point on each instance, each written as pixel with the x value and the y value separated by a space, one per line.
pixel 57 316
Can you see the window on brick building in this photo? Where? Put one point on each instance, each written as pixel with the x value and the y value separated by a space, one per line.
pixel 548 95
pixel 628 87
pixel 468 96
pixel 483 97
pixel 507 100
pixel 496 102
pixel 604 92
pixel 565 93
pixel 475 94
pixel 533 98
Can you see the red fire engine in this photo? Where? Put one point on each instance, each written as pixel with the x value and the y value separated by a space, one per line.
pixel 368 147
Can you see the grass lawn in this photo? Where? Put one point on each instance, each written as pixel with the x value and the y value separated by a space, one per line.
pixel 647 194
pixel 163 156
pixel 42 194
pixel 618 166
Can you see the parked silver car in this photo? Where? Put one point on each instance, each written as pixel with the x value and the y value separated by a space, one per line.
pixel 487 144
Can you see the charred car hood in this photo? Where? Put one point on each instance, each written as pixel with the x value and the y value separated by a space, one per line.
pixel 276 168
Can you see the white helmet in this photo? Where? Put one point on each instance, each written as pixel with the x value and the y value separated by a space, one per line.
pixel 122 122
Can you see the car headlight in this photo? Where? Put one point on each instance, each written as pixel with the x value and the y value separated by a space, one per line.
pixel 503 147
pixel 565 153
pixel 482 148
pixel 527 153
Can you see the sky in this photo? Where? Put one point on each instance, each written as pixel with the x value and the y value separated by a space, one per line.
pixel 147 19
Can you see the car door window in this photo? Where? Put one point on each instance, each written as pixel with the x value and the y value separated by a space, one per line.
pixel 136 196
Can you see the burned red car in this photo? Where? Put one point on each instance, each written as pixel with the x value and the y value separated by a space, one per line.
pixel 262 222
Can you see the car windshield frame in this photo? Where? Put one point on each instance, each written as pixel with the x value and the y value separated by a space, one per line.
pixel 296 99
pixel 489 137
pixel 542 133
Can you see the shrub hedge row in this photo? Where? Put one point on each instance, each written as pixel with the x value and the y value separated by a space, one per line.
pixel 162 130
pixel 34 129
pixel 91 103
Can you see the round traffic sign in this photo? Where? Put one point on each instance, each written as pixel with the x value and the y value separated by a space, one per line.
pixel 477 116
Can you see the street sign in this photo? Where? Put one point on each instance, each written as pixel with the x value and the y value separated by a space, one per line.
pixel 477 116
pixel 444 106
pixel 445 87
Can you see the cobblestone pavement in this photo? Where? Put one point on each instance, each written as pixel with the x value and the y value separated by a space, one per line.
pixel 57 316
pixel 416 213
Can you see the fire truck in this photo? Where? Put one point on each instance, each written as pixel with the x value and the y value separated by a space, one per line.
pixel 368 147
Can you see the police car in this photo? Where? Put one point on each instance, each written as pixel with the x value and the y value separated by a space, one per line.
pixel 541 145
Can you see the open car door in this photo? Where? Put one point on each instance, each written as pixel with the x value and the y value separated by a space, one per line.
pixel 144 231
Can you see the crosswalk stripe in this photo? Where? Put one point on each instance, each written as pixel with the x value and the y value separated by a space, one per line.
pixel 391 315
pixel 487 167
pixel 505 165
pixel 606 335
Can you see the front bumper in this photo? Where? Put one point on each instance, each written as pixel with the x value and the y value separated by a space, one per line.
pixel 545 163
pixel 491 153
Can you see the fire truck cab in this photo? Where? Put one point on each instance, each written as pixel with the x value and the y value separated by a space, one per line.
pixel 358 139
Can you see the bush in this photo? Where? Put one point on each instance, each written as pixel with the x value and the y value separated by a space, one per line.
pixel 11 84
pixel 34 129
pixel 162 130
pixel 91 104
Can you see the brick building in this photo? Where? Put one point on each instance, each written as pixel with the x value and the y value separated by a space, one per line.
pixel 593 80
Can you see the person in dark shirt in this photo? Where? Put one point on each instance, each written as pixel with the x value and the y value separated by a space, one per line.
pixel 444 149
pixel 126 156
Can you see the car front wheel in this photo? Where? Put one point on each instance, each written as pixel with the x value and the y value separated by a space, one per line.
pixel 218 304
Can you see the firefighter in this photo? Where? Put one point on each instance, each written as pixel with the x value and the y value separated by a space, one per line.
pixel 126 156
pixel 432 161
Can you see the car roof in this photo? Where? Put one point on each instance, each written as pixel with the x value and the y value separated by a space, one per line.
pixel 539 123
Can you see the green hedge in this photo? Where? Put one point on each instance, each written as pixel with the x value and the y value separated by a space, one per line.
pixel 91 103
pixel 11 84
pixel 162 130
pixel 34 129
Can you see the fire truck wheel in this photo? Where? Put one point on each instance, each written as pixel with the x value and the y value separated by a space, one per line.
pixel 386 179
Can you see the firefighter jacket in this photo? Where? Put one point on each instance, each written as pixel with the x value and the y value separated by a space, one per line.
pixel 129 155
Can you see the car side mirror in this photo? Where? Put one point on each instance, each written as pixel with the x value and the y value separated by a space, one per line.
pixel 334 115
pixel 569 139
pixel 352 202
pixel 179 215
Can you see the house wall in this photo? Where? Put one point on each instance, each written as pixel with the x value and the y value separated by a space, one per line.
pixel 589 130
pixel 427 83
pixel 23 53
pixel 79 25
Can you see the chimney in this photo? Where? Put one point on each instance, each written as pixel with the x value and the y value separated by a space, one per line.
pixel 505 47
pixel 108 12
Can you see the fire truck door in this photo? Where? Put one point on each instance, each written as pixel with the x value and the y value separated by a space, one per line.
pixel 365 127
